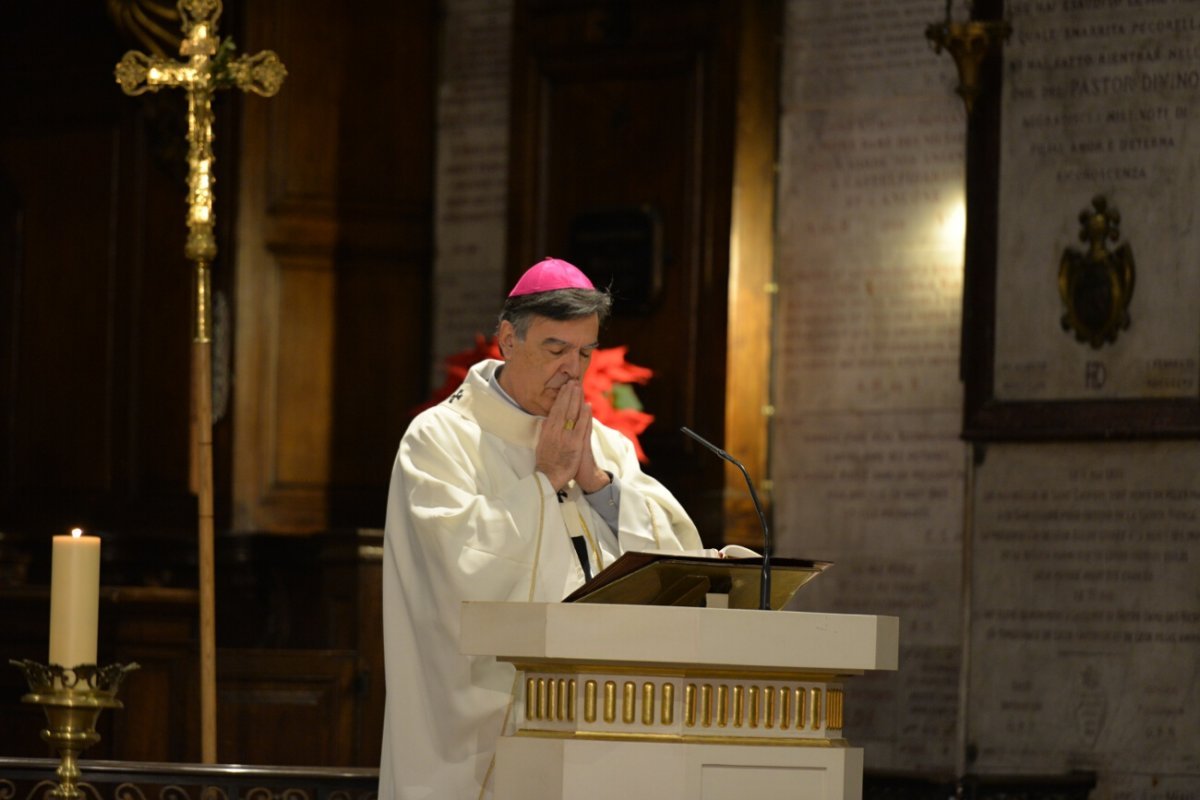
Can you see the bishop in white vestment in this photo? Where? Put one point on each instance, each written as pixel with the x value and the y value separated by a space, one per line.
pixel 507 490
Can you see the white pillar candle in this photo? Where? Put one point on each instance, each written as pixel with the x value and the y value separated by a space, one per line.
pixel 74 599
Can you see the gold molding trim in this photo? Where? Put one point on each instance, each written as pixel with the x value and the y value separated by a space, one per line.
pixel 779 711
pixel 748 675
pixel 623 736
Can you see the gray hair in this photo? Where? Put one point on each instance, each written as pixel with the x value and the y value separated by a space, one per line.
pixel 560 304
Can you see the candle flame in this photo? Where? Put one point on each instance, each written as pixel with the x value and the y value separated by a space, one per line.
pixel 77 532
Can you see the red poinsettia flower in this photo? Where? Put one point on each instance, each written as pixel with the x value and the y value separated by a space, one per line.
pixel 606 385
pixel 457 367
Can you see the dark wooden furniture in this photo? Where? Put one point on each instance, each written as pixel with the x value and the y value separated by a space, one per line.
pixel 299 659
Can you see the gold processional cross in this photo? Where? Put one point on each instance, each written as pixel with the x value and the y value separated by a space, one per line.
pixel 209 67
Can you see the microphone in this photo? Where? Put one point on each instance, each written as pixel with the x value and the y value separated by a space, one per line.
pixel 764 596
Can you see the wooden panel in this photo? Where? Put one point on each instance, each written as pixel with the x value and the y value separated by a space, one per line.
pixel 313 593
pixel 158 630
pixel 752 269
pixel 627 106
pixel 65 311
pixel 301 163
pixel 380 356
pixel 369 616
pixel 271 150
pixel 25 636
pixel 352 593
pixel 300 699
pixel 301 370
pixel 10 262
pixel 333 249
pixel 95 297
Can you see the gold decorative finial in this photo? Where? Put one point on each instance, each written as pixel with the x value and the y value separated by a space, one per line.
pixel 969 42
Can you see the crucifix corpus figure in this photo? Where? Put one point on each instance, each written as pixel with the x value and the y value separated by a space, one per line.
pixel 210 66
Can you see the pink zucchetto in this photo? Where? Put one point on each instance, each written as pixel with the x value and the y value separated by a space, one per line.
pixel 549 275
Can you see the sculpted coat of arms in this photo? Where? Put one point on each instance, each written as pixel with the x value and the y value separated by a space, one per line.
pixel 1096 284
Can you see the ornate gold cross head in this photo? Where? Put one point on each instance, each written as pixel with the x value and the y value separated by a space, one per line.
pixel 210 65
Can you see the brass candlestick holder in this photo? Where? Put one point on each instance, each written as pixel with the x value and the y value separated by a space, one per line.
pixel 72 698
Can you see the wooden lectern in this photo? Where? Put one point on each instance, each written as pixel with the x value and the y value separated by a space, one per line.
pixel 621 702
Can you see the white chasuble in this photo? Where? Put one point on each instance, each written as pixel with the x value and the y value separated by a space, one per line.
pixel 469 518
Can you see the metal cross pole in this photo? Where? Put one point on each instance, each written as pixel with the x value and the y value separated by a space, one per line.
pixel 209 66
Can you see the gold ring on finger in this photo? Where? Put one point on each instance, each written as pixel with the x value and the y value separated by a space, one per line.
pixel 569 425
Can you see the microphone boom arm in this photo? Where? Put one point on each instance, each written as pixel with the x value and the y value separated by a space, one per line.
pixel 764 596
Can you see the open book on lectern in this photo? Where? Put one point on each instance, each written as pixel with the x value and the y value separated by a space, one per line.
pixel 678 579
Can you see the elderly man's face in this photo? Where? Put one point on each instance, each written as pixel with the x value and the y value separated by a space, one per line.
pixel 552 353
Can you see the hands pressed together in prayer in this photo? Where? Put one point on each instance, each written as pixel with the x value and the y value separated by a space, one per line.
pixel 564 448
